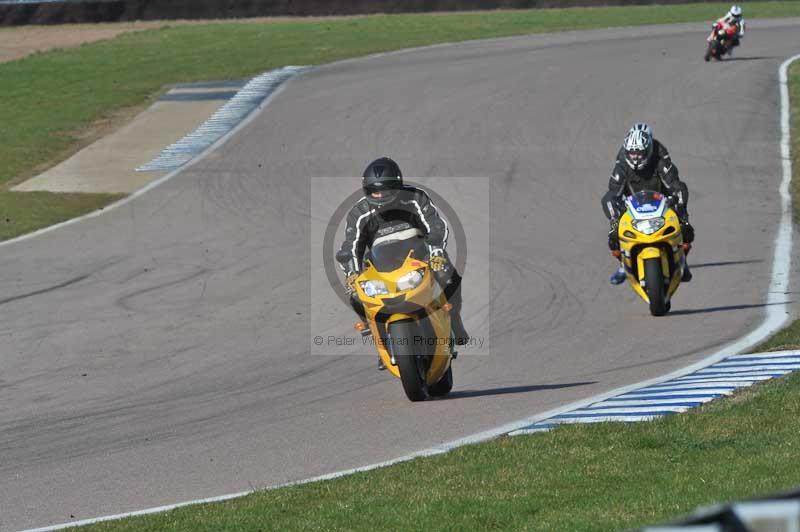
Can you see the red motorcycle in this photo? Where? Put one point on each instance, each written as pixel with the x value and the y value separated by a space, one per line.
pixel 720 40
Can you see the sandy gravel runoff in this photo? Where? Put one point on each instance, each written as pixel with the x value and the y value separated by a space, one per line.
pixel 19 41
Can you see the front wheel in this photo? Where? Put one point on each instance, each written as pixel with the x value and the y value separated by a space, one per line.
pixel 654 283
pixel 444 385
pixel 411 366
pixel 709 49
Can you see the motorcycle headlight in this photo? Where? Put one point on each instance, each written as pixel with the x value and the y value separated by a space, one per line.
pixel 410 280
pixel 650 226
pixel 374 288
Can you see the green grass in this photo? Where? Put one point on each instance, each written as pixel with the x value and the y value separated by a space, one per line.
pixel 50 99
pixel 609 476
pixel 25 212
pixel 784 340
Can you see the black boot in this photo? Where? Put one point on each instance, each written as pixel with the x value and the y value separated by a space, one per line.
pixel 459 332
pixel 358 307
pixel 687 275
pixel 450 281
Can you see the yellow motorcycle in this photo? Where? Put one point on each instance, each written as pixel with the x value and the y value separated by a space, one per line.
pixel 652 249
pixel 408 315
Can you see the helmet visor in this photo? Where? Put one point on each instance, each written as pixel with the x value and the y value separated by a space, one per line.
pixel 382 196
pixel 637 157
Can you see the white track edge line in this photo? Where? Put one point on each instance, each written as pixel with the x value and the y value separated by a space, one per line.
pixel 776 317
pixel 153 184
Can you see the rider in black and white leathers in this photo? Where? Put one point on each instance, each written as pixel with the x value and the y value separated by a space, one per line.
pixel 643 163
pixel 413 205
pixel 659 174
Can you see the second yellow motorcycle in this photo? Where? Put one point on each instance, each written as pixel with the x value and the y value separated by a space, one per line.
pixel 652 249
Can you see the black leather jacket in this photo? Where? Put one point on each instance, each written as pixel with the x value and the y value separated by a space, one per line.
pixel 364 222
pixel 660 174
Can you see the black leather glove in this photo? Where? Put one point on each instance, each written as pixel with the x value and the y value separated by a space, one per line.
pixel 350 283
pixel 613 238
pixel 438 261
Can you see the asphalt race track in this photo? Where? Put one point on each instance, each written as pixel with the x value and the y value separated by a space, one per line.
pixel 161 352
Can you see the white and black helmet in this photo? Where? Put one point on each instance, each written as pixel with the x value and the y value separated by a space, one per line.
pixel 638 145
pixel 735 13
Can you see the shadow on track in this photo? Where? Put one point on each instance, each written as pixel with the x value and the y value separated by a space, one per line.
pixel 514 389
pixel 723 263
pixel 721 309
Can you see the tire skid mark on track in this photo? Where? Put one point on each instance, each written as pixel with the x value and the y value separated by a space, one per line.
pixel 45 290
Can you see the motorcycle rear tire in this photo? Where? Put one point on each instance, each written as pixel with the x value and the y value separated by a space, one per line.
pixel 412 373
pixel 654 281
pixel 444 385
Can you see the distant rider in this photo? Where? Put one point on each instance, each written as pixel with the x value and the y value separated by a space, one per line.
pixel 387 201
pixel 732 19
pixel 643 163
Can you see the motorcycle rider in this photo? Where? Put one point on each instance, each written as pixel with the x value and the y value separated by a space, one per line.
pixel 733 18
pixel 643 163
pixel 388 201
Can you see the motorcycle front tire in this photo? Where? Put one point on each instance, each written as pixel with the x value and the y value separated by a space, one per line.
pixel 444 385
pixel 654 283
pixel 412 371
pixel 709 49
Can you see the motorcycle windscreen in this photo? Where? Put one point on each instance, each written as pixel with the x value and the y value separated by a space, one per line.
pixel 646 204
pixel 390 255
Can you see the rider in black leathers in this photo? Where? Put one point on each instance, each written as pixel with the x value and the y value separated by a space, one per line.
pixel 387 201
pixel 643 163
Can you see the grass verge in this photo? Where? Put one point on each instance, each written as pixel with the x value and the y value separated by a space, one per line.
pixel 47 115
pixel 25 212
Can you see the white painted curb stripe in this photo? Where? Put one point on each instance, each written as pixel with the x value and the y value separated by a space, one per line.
pixel 699 386
pixel 734 381
pixel 605 410
pixel 739 371
pixel 728 375
pixel 678 387
pixel 600 419
pixel 223 120
pixel 723 377
pixel 681 393
pixel 763 362
pixel 777 311
pixel 772 354
pixel 665 402
pixel 744 373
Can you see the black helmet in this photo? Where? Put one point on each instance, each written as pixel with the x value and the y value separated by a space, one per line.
pixel 382 182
